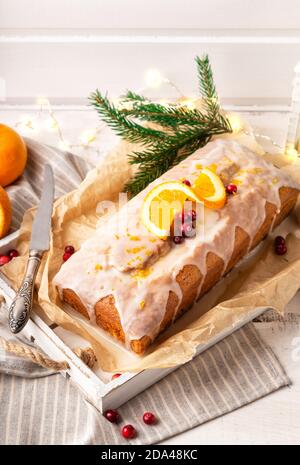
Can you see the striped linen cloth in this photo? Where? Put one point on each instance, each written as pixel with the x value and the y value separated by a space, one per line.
pixel 233 373
pixel 39 407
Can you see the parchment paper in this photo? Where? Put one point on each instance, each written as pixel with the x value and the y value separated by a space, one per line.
pixel 263 280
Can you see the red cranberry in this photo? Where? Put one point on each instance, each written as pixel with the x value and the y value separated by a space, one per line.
pixel 13 253
pixel 66 256
pixel 231 189
pixel 186 182
pixel 149 418
pixel 112 416
pixel 4 259
pixel 187 230
pixel 177 239
pixel 279 240
pixel 128 432
pixel 69 249
pixel 116 375
pixel 281 249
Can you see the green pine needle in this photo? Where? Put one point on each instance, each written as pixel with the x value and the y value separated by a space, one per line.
pixel 178 131
pixel 131 96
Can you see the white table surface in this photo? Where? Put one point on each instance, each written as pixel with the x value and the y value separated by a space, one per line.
pixel 274 419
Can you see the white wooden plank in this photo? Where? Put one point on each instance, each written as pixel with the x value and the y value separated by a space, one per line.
pixel 151 35
pixel 72 71
pixel 270 14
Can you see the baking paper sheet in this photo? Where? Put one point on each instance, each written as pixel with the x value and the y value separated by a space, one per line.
pixel 263 280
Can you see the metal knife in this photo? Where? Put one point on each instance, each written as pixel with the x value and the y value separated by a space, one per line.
pixel 21 306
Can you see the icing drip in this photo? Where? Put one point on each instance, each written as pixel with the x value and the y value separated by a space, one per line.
pixel 140 270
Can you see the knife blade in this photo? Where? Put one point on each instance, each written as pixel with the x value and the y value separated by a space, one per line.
pixel 40 235
pixel 21 306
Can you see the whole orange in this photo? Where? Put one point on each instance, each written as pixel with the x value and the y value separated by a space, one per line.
pixel 13 155
pixel 5 213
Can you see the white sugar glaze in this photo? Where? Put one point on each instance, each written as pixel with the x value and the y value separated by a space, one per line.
pixel 140 270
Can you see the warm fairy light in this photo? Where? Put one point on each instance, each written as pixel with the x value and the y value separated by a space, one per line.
pixel 51 124
pixel 154 78
pixel 42 101
pixel 64 145
pixel 291 152
pixel 163 102
pixel 87 137
pixel 297 68
pixel 235 123
pixel 28 125
pixel 189 103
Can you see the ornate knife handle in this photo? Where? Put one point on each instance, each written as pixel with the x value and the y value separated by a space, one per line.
pixel 21 306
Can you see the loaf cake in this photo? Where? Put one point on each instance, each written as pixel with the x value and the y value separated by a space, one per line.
pixel 134 284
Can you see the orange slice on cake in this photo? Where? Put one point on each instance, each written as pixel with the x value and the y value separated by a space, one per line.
pixel 161 205
pixel 209 188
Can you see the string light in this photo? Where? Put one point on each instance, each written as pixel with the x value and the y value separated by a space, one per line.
pixel 28 125
pixel 51 124
pixel 64 145
pixel 153 79
pixel 235 123
pixel 291 152
pixel 187 102
pixel 87 137
pixel 42 101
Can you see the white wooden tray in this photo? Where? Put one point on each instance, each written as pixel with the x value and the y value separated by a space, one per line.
pixel 96 386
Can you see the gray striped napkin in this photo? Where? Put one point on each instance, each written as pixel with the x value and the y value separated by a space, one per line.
pixel 69 171
pixel 41 409
pixel 233 373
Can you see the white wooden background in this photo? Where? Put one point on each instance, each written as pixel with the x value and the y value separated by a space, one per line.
pixel 64 49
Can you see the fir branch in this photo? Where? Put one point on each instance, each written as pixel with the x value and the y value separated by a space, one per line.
pixel 207 86
pixel 131 96
pixel 160 157
pixel 123 126
pixel 167 116
pixel 181 130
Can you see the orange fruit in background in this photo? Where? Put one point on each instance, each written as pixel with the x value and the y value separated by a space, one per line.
pixel 13 155
pixel 5 213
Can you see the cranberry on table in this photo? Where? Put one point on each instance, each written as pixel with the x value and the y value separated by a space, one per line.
pixel 112 416
pixel 128 432
pixel 186 182
pixel 116 375
pixel 13 253
pixel 279 240
pixel 69 249
pixel 4 259
pixel 66 256
pixel 281 249
pixel 231 189
pixel 149 418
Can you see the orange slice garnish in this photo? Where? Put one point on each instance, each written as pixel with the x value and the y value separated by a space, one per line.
pixel 161 205
pixel 209 188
